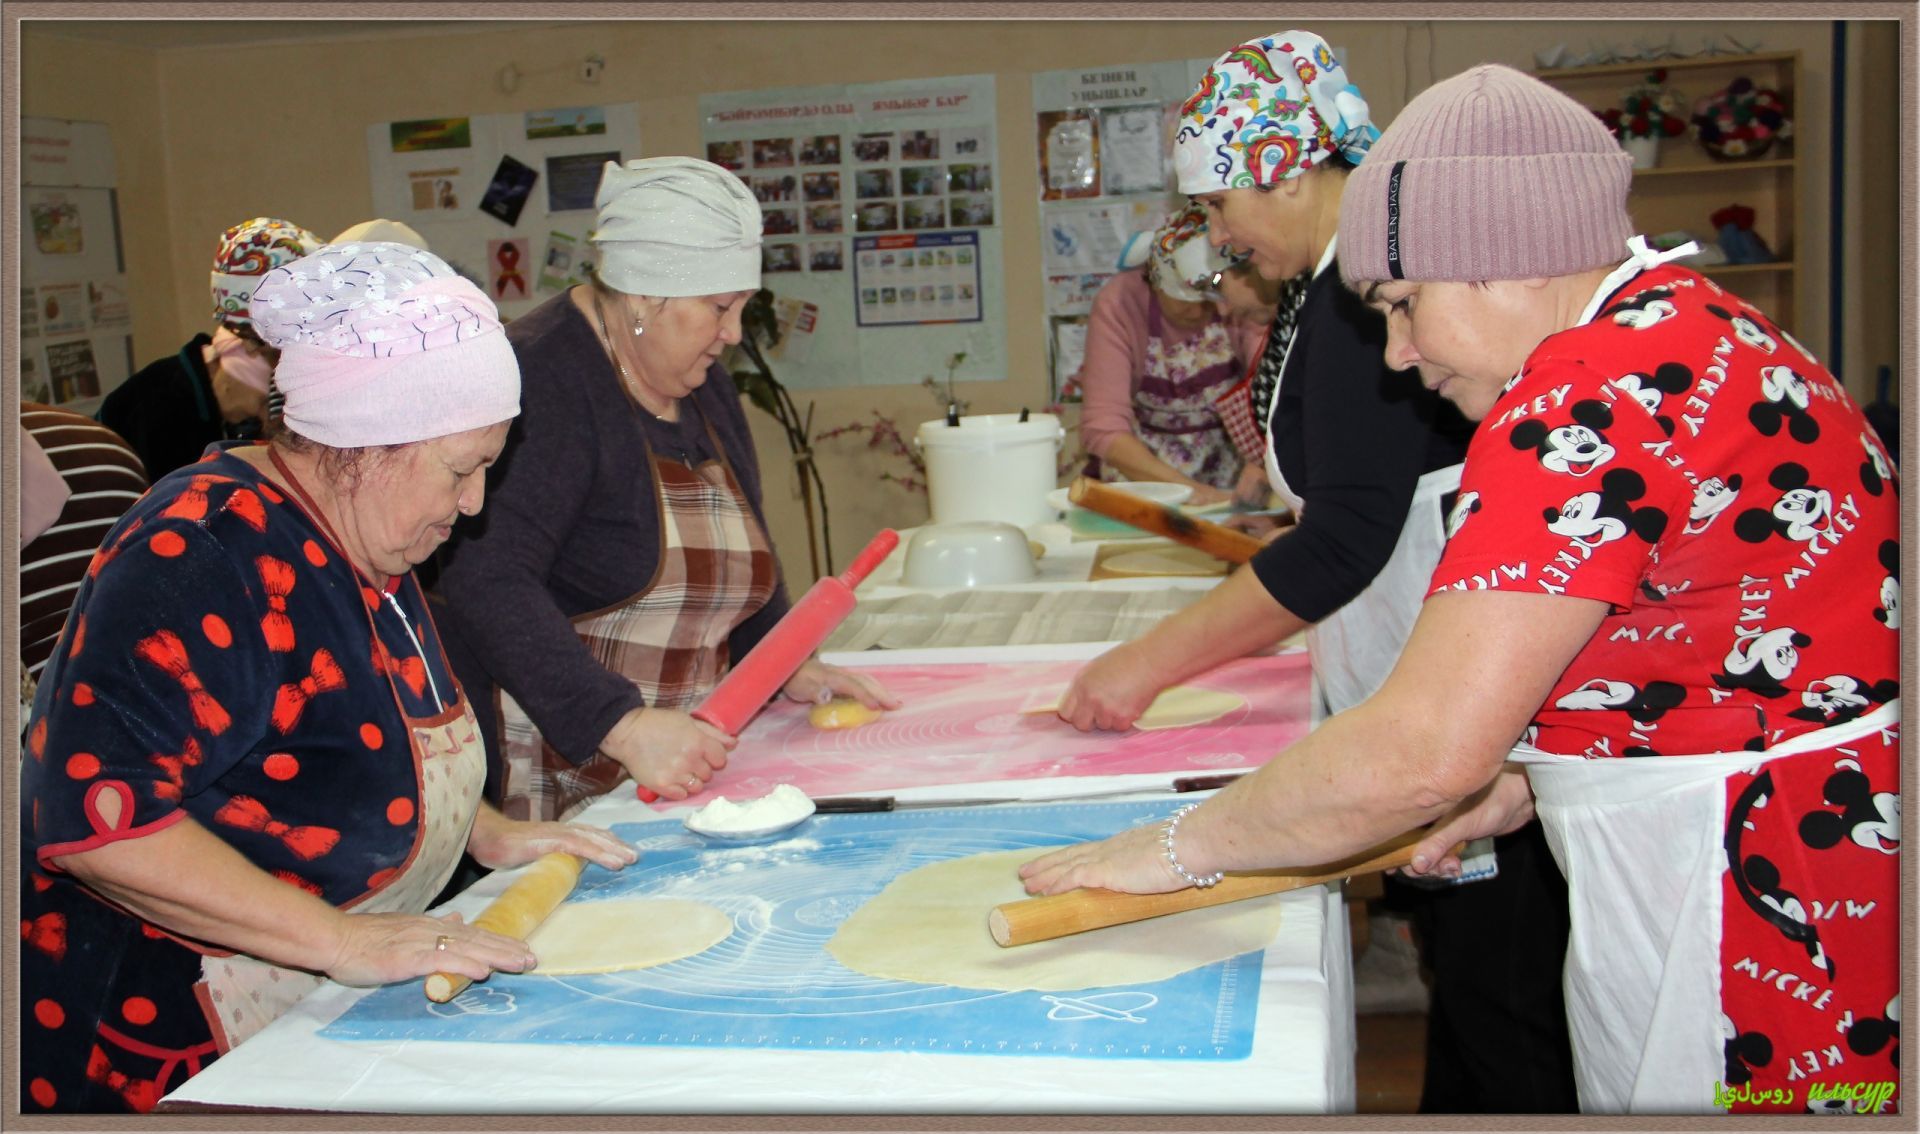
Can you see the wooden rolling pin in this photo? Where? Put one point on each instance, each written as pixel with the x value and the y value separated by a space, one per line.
pixel 518 911
pixel 1077 911
pixel 1162 519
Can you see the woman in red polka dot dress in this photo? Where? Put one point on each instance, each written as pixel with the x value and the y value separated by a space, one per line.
pixel 249 767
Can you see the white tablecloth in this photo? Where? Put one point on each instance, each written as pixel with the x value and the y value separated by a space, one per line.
pixel 1302 1058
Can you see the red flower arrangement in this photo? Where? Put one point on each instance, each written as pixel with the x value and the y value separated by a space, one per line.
pixel 1649 110
pixel 1741 121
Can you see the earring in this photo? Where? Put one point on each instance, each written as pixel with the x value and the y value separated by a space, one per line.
pixel 639 327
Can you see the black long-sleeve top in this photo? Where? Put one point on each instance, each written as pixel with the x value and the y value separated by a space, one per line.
pixel 570 526
pixel 1353 439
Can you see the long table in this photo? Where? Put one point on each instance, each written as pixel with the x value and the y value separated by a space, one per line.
pixel 1301 1059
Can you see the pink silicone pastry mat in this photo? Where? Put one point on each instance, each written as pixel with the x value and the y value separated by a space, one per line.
pixel 961 724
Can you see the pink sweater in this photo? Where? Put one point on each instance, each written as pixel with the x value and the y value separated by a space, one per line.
pixel 1117 354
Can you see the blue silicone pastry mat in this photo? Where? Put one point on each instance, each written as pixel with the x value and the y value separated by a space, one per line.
pixel 771 984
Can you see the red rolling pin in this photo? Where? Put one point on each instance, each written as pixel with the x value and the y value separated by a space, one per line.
pixel 759 675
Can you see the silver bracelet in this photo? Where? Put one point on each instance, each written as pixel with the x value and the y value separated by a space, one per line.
pixel 1173 860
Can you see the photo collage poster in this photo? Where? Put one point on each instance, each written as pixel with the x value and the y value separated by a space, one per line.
pixel 506 199
pixel 75 315
pixel 1102 137
pixel 849 176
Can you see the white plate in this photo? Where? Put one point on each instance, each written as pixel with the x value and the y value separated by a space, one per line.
pixel 748 834
pixel 1158 491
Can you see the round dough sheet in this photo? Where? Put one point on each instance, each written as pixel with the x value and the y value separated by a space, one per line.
pixel 929 926
pixel 625 933
pixel 1180 706
pixel 1163 561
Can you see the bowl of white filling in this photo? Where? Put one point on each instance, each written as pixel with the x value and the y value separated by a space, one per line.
pixel 782 808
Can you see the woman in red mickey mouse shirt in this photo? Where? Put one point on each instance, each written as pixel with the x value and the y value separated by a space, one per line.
pixel 1671 574
pixel 250 765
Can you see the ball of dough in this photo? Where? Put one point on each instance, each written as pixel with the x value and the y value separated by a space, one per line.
pixel 841 712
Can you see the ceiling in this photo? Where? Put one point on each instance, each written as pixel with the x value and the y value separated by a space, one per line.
pixel 220 33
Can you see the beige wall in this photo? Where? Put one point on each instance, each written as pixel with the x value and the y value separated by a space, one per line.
pixel 197 153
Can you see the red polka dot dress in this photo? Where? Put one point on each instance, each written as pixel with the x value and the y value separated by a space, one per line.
pixel 220 665
pixel 1718 767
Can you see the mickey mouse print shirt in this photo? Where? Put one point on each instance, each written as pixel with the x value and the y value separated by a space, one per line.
pixel 1685 461
pixel 1735 907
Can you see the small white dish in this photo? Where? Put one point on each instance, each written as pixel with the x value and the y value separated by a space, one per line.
pixel 719 820
pixel 973 554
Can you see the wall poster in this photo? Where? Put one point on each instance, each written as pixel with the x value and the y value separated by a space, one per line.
pixel 856 185
pixel 507 199
pixel 1102 137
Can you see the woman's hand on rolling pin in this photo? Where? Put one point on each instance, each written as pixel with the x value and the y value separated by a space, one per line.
pixel 816 683
pixel 667 752
pixel 1111 691
pixel 1504 805
pixel 498 842
pixel 380 948
pixel 1132 862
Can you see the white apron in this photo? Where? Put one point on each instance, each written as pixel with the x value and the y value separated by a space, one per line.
pixel 1640 843
pixel 1354 648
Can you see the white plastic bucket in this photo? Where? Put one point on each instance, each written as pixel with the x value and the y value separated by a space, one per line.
pixel 992 466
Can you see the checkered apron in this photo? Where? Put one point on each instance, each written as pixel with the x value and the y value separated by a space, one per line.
pixel 716 568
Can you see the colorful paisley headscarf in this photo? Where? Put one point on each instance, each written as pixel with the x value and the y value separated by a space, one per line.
pixel 1181 262
pixel 248 251
pixel 1266 111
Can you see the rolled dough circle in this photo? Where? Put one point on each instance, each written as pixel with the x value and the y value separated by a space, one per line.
pixel 929 926
pixel 841 712
pixel 625 933
pixel 1163 561
pixel 1180 706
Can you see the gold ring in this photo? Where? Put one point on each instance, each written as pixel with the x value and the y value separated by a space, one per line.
pixel 440 942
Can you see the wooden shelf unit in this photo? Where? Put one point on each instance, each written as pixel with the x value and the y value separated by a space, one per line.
pixel 1687 185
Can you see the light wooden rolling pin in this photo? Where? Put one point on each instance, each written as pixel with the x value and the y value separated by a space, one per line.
pixel 1077 911
pixel 518 911
pixel 1216 540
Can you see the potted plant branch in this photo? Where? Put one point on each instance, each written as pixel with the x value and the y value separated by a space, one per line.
pixel 759 327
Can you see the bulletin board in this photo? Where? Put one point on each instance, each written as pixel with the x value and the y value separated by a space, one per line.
pixel 880 205
pixel 76 316
pixel 506 199
pixel 1103 139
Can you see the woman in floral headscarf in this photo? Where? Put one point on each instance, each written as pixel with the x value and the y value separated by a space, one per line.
pixel 1369 461
pixel 1161 351
pixel 215 387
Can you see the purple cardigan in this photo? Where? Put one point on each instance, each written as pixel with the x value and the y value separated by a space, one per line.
pixel 569 527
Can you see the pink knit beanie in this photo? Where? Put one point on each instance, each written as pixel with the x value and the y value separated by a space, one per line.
pixel 1489 175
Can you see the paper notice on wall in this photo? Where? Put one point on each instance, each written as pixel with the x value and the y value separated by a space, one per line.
pixel 508 264
pixel 1069 349
pixel 797 320
pixel 1086 238
pixel 1133 149
pixel 57 226
pixel 557 265
pixel 63 309
pixel 434 190
pixel 108 311
pixel 71 371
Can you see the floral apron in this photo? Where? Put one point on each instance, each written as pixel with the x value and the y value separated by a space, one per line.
pixel 716 568
pixel 1174 405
